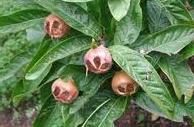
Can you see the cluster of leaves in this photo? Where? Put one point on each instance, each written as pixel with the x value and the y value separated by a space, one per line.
pixel 148 39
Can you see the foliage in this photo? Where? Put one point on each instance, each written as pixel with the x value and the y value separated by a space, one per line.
pixel 148 39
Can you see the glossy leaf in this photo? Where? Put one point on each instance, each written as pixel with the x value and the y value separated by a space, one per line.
pixel 169 41
pixel 180 75
pixel 59 51
pixel 103 109
pixel 119 8
pixel 135 65
pixel 73 15
pixel 128 29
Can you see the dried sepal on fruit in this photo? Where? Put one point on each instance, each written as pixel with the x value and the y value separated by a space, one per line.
pixel 55 27
pixel 64 91
pixel 124 85
pixel 98 60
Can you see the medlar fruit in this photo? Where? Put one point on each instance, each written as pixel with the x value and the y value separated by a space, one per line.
pixel 98 60
pixel 64 91
pixel 55 27
pixel 122 84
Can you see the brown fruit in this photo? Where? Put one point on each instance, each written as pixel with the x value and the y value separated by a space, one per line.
pixel 98 60
pixel 124 85
pixel 64 91
pixel 55 27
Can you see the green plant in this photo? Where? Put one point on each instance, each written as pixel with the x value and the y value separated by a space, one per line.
pixel 150 40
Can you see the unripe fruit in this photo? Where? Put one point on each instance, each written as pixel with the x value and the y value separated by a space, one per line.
pixel 55 27
pixel 124 85
pixel 98 60
pixel 64 91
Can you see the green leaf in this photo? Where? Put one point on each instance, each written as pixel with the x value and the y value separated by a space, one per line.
pixel 180 75
pixel 103 109
pixel 11 6
pixel 21 20
pixel 157 19
pixel 99 9
pixel 135 65
pixel 187 52
pixel 73 15
pixel 189 108
pixel 42 49
pixel 169 41
pixel 119 8
pixel 174 10
pixel 129 27
pixel 145 102
pixel 142 100
pixel 61 50
pixel 77 0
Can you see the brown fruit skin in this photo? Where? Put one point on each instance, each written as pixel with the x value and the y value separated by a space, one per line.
pixel 64 91
pixel 55 27
pixel 98 60
pixel 123 85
